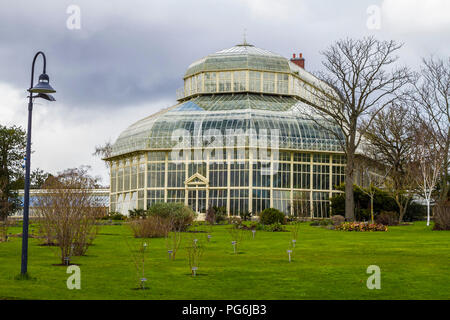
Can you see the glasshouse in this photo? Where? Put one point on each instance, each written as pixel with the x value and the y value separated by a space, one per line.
pixel 237 138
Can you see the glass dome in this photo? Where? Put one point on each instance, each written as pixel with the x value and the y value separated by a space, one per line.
pixel 242 56
pixel 232 98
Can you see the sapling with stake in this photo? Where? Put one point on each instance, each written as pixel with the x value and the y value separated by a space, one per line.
pixel 195 252
pixel 138 253
pixel 236 237
pixel 294 233
pixel 173 241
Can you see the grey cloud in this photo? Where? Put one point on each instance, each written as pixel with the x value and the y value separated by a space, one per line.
pixel 135 51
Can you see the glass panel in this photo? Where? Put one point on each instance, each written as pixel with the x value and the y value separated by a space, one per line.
pixel 224 81
pixel 239 81
pixel 255 81
pixel 269 82
pixel 210 82
pixel 261 200
pixel 155 175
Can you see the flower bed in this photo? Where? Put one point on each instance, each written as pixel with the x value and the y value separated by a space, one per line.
pixel 361 226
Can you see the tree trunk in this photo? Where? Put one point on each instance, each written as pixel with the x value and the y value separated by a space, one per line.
pixel 349 198
pixel 371 208
pixel 444 180
pixel 428 212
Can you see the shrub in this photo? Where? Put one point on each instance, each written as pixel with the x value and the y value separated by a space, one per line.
pixel 387 218
pixel 69 212
pixel 235 220
pixel 210 216
pixel 337 219
pixel 137 213
pixel 4 225
pixel 151 227
pixel 220 214
pixel 250 225
pixel 275 227
pixel 116 216
pixel 361 226
pixel 271 216
pixel 180 215
pixel 323 222
pixel 441 216
pixel 246 215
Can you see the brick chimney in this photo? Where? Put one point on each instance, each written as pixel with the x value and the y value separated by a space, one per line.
pixel 300 61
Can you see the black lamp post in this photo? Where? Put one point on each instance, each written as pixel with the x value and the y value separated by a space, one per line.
pixel 43 90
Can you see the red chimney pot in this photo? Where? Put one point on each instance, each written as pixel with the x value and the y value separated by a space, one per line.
pixel 300 61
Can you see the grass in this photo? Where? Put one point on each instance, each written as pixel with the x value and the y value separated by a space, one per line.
pixel 327 264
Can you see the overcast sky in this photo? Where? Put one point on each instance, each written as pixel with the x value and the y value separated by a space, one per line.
pixel 127 58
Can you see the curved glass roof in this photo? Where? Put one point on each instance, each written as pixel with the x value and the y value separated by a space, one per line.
pixel 241 56
pixel 249 112
pixel 238 101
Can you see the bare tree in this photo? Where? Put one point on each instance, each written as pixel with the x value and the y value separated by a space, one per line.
pixel 375 181
pixel 390 139
pixel 68 211
pixel 427 161
pixel 301 204
pixel 431 95
pixel 362 87
pixel 139 253
pixel 104 151
pixel 194 251
pixel 173 239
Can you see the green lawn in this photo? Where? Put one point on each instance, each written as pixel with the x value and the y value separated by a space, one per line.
pixel 327 264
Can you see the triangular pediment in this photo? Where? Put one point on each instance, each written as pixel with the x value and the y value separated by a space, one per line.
pixel 196 178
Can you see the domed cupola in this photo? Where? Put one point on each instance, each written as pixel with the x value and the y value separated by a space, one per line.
pixel 243 87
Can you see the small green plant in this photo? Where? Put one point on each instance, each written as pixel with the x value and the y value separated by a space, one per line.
pixel 275 227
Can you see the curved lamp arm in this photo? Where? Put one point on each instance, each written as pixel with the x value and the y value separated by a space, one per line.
pixel 32 66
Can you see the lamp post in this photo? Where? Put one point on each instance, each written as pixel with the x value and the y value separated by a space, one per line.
pixel 42 90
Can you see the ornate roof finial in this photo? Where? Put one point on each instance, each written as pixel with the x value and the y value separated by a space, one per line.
pixel 245 43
